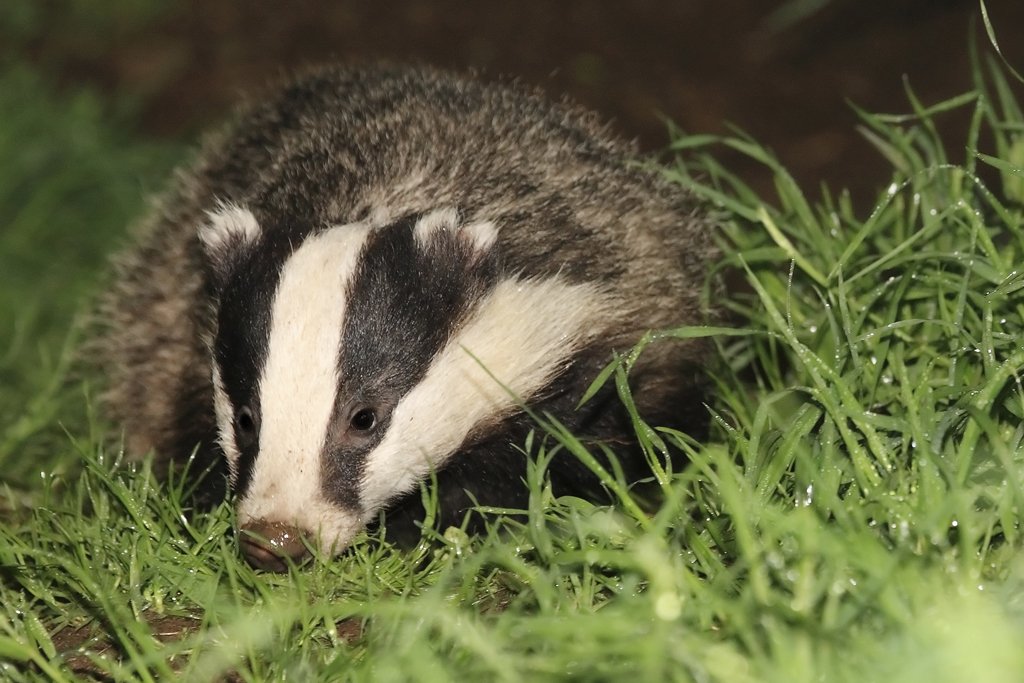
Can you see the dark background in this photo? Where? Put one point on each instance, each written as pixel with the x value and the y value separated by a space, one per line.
pixel 782 74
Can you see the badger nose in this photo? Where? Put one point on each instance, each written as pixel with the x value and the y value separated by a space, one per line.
pixel 270 546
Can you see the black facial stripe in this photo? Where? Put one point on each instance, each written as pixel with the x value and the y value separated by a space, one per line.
pixel 404 303
pixel 243 331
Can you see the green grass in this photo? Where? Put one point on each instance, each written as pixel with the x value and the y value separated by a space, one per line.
pixel 69 183
pixel 855 514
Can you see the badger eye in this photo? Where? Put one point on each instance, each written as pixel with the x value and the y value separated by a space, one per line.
pixel 363 420
pixel 245 423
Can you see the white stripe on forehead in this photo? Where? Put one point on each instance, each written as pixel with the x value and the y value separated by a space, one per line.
pixel 523 333
pixel 299 382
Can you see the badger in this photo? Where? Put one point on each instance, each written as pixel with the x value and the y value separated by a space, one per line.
pixel 378 276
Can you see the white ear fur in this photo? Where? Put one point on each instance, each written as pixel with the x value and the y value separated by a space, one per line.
pixel 228 225
pixel 430 223
pixel 481 235
pixel 227 233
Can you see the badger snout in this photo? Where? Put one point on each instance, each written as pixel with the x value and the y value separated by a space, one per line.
pixel 272 546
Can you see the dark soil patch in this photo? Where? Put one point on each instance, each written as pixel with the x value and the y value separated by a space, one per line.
pixel 77 645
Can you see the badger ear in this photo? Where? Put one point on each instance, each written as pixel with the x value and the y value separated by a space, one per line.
pixel 227 235
pixel 479 236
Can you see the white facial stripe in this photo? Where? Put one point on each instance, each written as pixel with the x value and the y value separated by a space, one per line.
pixel 523 333
pixel 225 424
pixel 299 383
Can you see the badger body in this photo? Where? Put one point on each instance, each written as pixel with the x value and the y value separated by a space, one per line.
pixel 360 282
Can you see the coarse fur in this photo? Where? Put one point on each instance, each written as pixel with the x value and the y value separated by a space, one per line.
pixel 425 246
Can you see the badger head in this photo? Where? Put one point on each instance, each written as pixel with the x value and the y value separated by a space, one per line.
pixel 351 361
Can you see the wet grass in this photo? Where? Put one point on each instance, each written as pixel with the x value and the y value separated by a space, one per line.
pixel 855 514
